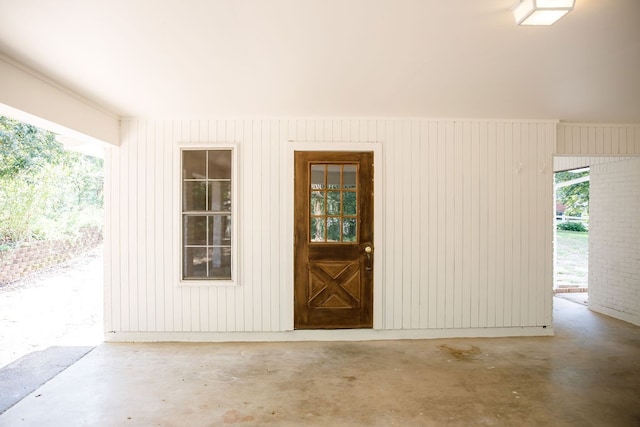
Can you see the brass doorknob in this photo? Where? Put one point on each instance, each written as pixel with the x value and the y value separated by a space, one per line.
pixel 368 250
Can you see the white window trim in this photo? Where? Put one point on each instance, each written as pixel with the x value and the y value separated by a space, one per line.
pixel 235 216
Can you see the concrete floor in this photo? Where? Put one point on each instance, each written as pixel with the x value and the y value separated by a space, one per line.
pixel 586 375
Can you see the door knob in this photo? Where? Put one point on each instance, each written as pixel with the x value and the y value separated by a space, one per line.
pixel 368 251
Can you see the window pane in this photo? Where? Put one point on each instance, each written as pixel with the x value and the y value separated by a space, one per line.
pixel 333 229
pixel 349 176
pixel 349 233
pixel 317 177
pixel 220 230
pixel 333 202
pixel 317 229
pixel 195 262
pixel 220 196
pixel 333 176
pixel 220 164
pixel 220 267
pixel 195 230
pixel 194 164
pixel 194 196
pixel 317 203
pixel 350 206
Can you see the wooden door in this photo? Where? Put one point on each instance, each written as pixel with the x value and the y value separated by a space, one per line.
pixel 333 277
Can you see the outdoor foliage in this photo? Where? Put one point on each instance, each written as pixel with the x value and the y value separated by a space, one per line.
pixel 571 226
pixel 572 259
pixel 575 197
pixel 46 192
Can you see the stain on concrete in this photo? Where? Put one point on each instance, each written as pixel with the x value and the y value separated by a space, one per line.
pixel 234 417
pixel 461 353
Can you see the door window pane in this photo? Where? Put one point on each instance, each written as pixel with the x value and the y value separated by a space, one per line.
pixel 317 229
pixel 333 229
pixel 350 206
pixel 317 177
pixel 333 202
pixel 349 176
pixel 333 176
pixel 349 230
pixel 317 203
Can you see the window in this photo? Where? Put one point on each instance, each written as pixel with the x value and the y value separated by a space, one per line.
pixel 208 215
pixel 333 210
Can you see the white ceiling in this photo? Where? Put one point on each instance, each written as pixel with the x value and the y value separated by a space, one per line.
pixel 427 58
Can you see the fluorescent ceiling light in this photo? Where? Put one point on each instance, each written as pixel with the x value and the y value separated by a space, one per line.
pixel 541 12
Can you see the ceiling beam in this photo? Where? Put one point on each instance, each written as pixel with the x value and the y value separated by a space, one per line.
pixel 31 97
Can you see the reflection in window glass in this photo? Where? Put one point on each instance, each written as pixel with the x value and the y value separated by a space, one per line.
pixel 195 230
pixel 194 196
pixel 333 229
pixel 333 202
pixel 317 229
pixel 219 164
pixel 220 196
pixel 349 176
pixel 317 177
pixel 350 205
pixel 195 264
pixel 349 230
pixel 317 203
pixel 194 165
pixel 220 262
pixel 220 230
pixel 333 176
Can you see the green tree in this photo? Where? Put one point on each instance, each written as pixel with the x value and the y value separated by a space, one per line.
pixel 575 197
pixel 45 191
pixel 26 149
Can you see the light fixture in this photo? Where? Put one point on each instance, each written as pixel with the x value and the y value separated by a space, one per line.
pixel 541 12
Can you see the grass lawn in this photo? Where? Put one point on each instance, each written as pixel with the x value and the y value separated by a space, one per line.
pixel 572 259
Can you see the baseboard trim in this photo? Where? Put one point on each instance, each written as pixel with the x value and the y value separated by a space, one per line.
pixel 625 317
pixel 327 335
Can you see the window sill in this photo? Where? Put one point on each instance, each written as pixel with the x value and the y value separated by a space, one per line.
pixel 207 283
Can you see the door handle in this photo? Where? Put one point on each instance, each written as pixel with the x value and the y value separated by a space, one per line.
pixel 368 251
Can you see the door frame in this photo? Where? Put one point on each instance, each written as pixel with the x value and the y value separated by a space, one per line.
pixel 378 221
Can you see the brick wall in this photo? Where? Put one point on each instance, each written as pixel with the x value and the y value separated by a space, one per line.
pixel 32 256
pixel 614 240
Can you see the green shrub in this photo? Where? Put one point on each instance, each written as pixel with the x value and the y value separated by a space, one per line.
pixel 46 192
pixel 571 226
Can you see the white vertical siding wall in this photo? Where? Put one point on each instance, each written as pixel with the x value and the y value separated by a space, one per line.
pixel 467 223
pixel 598 139
pixel 565 163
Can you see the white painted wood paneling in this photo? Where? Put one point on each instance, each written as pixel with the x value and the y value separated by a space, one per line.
pixel 598 139
pixel 567 162
pixel 466 211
